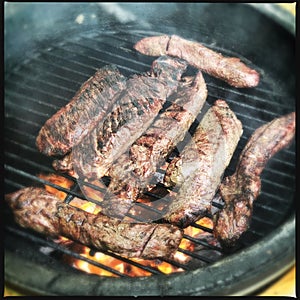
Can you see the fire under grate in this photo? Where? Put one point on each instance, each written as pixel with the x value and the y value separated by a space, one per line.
pixel 46 81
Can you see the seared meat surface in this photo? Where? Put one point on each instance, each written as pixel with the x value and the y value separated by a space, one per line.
pixel 133 171
pixel 37 209
pixel 240 190
pixel 72 122
pixel 198 170
pixel 229 69
pixel 132 114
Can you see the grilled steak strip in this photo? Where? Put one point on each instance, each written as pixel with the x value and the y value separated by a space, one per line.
pixel 133 171
pixel 243 187
pixel 73 121
pixel 229 69
pixel 37 209
pixel 131 115
pixel 199 168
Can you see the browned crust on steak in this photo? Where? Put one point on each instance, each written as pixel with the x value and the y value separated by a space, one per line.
pixel 133 171
pixel 131 115
pixel 73 121
pixel 43 212
pixel 228 69
pixel 199 168
pixel 240 190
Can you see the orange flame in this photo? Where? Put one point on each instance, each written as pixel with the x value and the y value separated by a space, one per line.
pixel 107 260
pixel 58 180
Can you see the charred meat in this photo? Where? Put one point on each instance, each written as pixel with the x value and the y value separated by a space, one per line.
pixel 72 122
pixel 131 173
pixel 198 170
pixel 228 69
pixel 37 209
pixel 131 115
pixel 241 189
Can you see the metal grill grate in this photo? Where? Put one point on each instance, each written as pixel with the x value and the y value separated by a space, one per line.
pixel 36 89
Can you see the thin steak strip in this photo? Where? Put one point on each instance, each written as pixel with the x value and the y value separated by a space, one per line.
pixel 243 187
pixel 228 69
pixel 198 170
pixel 133 171
pixel 73 121
pixel 43 212
pixel 133 113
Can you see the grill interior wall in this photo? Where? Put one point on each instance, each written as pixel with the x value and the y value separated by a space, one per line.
pixel 36 89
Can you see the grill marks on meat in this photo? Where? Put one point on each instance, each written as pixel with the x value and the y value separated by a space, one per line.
pixel 240 190
pixel 43 212
pixel 132 114
pixel 228 69
pixel 133 171
pixel 73 121
pixel 199 168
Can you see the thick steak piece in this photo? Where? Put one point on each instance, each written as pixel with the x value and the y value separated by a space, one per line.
pixel 228 69
pixel 240 190
pixel 37 209
pixel 136 108
pixel 197 172
pixel 134 170
pixel 72 122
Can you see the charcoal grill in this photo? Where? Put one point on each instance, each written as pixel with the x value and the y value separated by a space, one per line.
pixel 48 59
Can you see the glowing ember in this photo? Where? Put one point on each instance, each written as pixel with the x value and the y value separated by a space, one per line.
pixel 116 264
pixel 97 262
pixel 58 180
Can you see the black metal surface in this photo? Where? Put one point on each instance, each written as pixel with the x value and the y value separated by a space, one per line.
pixel 57 59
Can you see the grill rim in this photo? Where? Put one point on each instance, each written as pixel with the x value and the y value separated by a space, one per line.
pixel 265 267
pixel 288 226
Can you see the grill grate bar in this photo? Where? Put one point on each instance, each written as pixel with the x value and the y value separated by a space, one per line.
pixel 228 90
pixel 63 57
pixel 22 97
pixel 14 183
pixel 276 184
pixel 202 242
pixel 49 83
pixel 27 110
pixel 267 207
pixel 202 227
pixel 274 197
pixel 100 51
pixel 24 134
pixel 62 249
pixel 37 179
pixel 262 220
pixel 195 255
pixel 69 197
pixel 132 262
pixel 25 147
pixel 44 67
pixel 102 61
pixel 277 173
pixel 176 264
pixel 19 119
pixel 29 162
pixel 93 186
pixel 25 84
pixel 62 67
pixel 217 204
